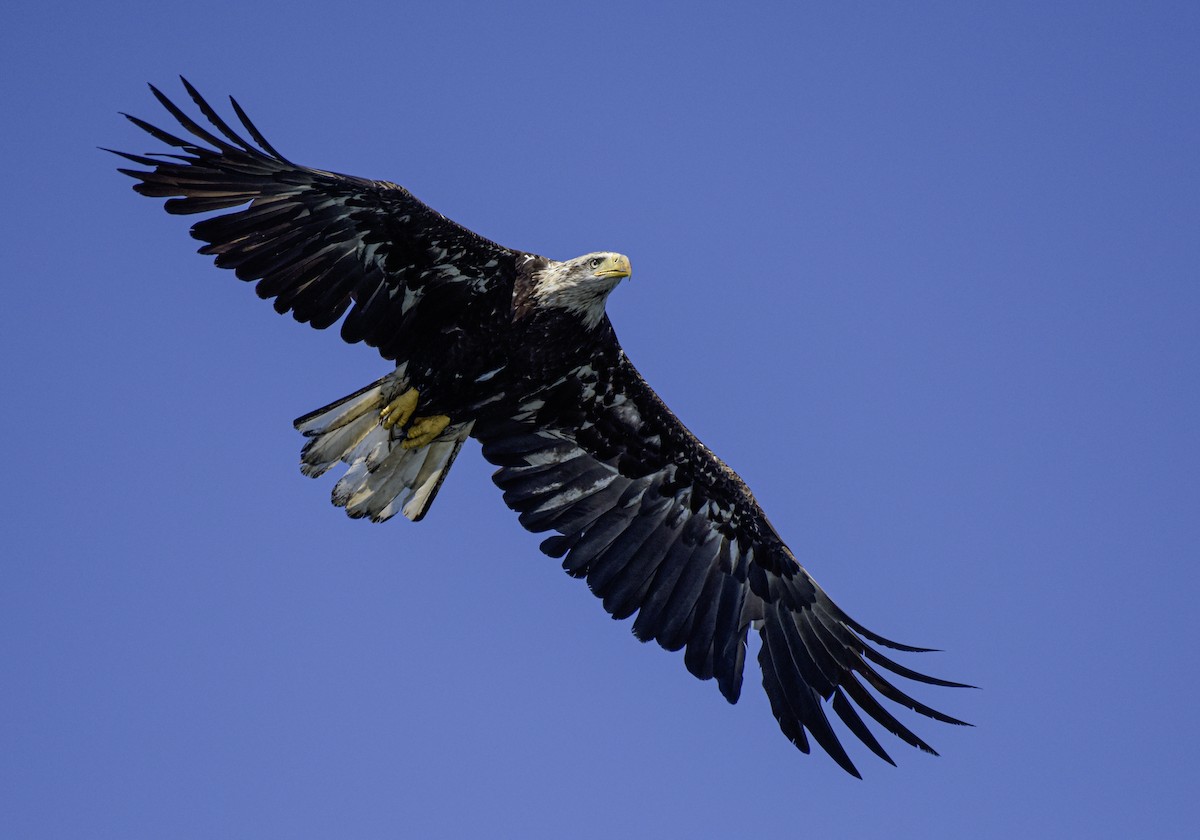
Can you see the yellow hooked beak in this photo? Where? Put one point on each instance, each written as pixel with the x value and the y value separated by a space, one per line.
pixel 614 265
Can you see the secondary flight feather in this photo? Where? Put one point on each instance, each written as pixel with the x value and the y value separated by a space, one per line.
pixel 516 350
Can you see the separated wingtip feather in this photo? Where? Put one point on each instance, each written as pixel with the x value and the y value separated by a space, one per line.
pixel 213 117
pixel 157 133
pixel 254 132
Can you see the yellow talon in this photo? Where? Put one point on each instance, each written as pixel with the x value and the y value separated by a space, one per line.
pixel 397 412
pixel 424 430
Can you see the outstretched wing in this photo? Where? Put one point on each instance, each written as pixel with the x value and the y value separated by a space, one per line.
pixel 660 526
pixel 317 242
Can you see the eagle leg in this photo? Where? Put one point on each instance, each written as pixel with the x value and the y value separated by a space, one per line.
pixel 424 430
pixel 399 410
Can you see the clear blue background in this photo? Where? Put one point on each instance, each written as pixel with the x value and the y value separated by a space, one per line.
pixel 927 275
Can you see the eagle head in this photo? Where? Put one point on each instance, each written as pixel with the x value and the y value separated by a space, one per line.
pixel 582 285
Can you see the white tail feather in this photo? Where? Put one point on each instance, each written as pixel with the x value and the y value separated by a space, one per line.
pixel 384 478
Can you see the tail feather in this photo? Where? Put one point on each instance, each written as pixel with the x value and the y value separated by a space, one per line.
pixel 337 429
pixel 384 478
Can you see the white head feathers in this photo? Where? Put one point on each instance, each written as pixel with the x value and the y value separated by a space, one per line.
pixel 581 285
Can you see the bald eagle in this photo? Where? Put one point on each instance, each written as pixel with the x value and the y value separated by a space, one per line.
pixel 515 350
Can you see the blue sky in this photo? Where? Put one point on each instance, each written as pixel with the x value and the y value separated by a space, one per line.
pixel 927 276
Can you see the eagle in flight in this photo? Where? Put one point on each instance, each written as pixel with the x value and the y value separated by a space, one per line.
pixel 515 350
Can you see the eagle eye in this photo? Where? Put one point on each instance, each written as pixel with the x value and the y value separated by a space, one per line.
pixel 595 262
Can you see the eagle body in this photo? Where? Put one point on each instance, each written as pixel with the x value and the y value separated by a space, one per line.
pixel 516 350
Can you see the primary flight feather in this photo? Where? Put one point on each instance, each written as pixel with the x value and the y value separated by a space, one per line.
pixel 515 350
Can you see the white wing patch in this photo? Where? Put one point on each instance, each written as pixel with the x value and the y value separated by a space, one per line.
pixel 627 412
